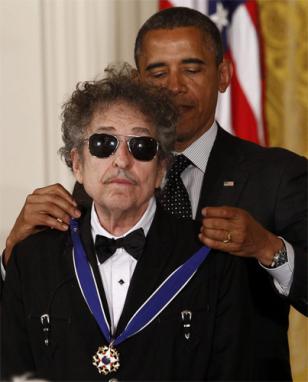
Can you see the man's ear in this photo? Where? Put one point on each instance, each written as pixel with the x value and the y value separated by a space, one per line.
pixel 77 165
pixel 225 70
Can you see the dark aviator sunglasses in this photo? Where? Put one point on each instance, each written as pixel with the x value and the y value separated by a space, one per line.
pixel 142 148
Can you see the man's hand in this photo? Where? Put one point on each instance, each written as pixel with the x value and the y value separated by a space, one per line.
pixel 233 230
pixel 50 206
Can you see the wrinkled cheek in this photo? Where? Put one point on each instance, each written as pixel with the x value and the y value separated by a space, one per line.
pixel 149 190
pixel 93 186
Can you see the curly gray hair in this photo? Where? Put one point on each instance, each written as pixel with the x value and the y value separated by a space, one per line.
pixel 121 84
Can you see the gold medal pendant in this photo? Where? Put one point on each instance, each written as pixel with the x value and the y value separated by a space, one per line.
pixel 106 359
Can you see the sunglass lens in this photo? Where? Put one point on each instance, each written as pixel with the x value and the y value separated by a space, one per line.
pixel 102 145
pixel 143 148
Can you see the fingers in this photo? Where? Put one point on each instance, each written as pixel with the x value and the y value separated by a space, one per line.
pixel 224 228
pixel 50 206
pixel 56 189
pixel 219 239
pixel 220 235
pixel 221 225
pixel 45 214
pixel 219 245
pixel 39 207
pixel 223 212
pixel 214 224
pixel 235 231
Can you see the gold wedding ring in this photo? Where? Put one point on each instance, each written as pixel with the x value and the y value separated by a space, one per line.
pixel 228 239
pixel 59 220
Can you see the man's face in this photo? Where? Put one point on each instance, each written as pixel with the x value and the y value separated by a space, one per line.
pixel 183 61
pixel 119 183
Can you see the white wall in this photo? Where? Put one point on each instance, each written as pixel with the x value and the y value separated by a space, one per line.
pixel 46 47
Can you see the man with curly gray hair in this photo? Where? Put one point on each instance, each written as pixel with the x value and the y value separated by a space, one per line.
pixel 128 292
pixel 120 86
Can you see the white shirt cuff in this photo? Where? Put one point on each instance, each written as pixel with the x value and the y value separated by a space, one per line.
pixel 3 273
pixel 283 275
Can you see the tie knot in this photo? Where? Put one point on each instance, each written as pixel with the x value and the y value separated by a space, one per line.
pixel 179 165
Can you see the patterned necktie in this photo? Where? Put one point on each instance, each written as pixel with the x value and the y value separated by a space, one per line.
pixel 174 196
pixel 133 243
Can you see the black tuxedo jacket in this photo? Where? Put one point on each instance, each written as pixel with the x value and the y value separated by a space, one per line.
pixel 271 184
pixel 40 279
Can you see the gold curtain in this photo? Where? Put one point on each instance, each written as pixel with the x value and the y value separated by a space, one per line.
pixel 284 26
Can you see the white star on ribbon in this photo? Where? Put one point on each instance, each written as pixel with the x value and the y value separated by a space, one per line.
pixel 220 18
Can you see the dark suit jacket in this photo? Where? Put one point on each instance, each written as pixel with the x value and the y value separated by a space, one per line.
pixel 271 184
pixel 40 279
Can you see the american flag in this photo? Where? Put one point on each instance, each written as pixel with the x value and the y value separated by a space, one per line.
pixel 240 109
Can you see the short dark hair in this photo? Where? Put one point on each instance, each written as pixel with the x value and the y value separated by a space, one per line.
pixel 178 17
pixel 120 85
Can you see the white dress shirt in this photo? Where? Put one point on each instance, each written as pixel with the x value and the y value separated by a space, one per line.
pixel 117 271
pixel 198 153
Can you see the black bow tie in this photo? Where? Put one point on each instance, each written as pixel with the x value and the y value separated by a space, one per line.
pixel 133 243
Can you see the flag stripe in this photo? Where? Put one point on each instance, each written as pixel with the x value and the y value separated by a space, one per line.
pixel 243 43
pixel 253 10
pixel 241 109
pixel 164 4
pixel 242 114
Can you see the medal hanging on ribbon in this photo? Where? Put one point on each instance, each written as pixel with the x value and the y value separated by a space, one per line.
pixel 107 358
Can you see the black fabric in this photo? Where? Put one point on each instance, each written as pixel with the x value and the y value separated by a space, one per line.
pixel 174 196
pixel 133 243
pixel 270 184
pixel 41 278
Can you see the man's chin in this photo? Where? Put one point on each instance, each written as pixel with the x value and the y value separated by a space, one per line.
pixel 184 135
pixel 183 140
pixel 184 129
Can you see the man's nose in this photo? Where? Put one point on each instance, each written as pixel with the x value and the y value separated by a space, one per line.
pixel 176 83
pixel 122 157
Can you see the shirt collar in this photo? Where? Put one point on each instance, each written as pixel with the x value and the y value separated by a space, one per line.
pixel 199 151
pixel 144 223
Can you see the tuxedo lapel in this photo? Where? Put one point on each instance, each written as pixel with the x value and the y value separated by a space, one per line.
pixel 225 174
pixel 87 241
pixel 153 267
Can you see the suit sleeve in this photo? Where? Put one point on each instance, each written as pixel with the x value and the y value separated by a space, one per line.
pixel 16 355
pixel 232 355
pixel 291 223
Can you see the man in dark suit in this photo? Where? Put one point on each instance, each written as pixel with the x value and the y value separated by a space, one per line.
pixel 255 198
pixel 129 292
